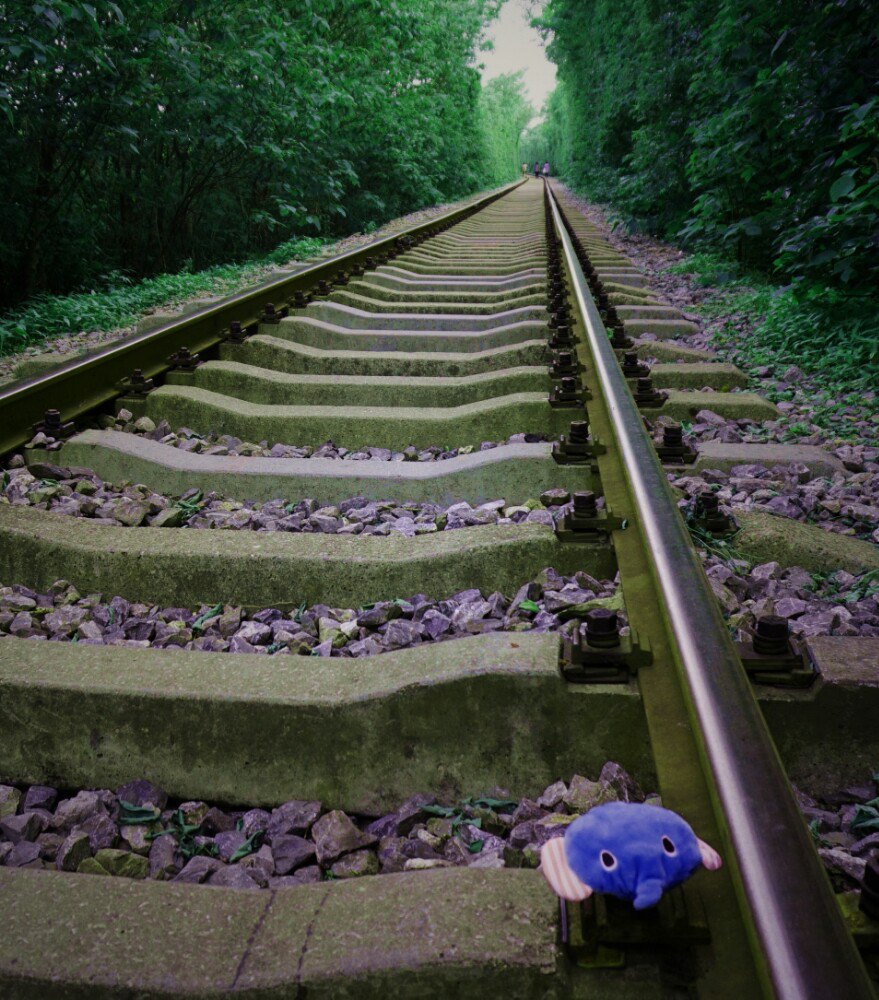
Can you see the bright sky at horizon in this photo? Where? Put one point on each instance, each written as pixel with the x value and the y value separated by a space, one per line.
pixel 518 46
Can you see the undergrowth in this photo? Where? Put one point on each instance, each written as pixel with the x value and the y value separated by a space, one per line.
pixel 823 331
pixel 121 301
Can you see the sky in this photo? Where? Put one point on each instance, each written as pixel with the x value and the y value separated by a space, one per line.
pixel 518 46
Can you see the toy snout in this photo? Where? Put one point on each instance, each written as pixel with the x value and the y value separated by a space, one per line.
pixel 648 893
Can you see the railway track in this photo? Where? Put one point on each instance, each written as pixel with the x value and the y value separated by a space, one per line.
pixel 463 361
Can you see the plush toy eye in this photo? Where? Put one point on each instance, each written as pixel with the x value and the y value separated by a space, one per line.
pixel 668 846
pixel 608 861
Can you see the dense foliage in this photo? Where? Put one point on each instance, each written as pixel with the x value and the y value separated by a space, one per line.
pixel 139 137
pixel 504 113
pixel 745 126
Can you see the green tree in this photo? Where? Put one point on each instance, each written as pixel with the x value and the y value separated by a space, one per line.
pixel 140 137
pixel 503 113
pixel 739 125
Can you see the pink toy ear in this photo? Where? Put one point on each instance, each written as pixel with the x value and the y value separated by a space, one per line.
pixel 710 858
pixel 557 871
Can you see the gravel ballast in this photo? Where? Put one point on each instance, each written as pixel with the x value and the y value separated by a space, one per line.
pixel 81 493
pixel 136 832
pixel 65 615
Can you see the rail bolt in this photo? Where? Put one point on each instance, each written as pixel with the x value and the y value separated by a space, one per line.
pixel 585 504
pixel 137 384
pixel 772 635
pixel 632 367
pixel 52 426
pixel 270 314
pixel 646 395
pixel 561 337
pixel 707 503
pixel 563 363
pixel 184 360
pixel 709 516
pixel 578 432
pixel 566 393
pixel 601 628
pixel 236 332
pixel 613 318
pixel 51 421
pixel 672 436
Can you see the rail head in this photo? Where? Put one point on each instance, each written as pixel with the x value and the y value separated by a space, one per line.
pixel 86 383
pixel 785 897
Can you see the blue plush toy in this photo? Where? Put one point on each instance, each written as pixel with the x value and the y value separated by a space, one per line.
pixel 628 850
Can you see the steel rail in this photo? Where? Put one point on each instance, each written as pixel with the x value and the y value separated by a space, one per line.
pixel 86 383
pixel 785 896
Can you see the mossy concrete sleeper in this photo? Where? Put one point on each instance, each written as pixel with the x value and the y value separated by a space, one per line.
pixel 256 730
pixel 766 537
pixel 439 934
pixel 393 427
pixel 265 386
pixel 357 300
pixel 329 336
pixel 683 405
pixel 179 567
pixel 455 718
pixel 267 351
pixel 514 472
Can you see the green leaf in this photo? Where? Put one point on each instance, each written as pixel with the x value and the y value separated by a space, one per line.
pixel 842 186
pixel 192 504
pixel 214 612
pixel 529 605
pixel 248 847
pixel 475 846
pixel 444 811
pixel 499 805
pixel 131 815
pixel 866 820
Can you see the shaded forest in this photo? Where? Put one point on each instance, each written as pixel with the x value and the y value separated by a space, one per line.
pixel 141 138
pixel 751 128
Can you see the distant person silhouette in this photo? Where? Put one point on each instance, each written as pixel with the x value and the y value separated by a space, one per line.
pixel 537 168
pixel 546 169
pixel 524 168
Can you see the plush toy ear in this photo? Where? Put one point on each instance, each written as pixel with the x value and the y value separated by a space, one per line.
pixel 710 857
pixel 557 871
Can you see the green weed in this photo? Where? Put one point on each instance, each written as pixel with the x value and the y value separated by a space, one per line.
pixel 120 302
